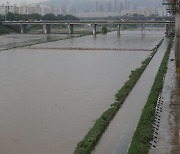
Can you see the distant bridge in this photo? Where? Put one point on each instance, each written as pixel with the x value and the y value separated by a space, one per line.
pixel 47 24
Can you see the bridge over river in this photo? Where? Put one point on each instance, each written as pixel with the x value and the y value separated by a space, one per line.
pixel 93 23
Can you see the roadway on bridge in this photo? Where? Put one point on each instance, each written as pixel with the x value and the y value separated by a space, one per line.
pixel 109 22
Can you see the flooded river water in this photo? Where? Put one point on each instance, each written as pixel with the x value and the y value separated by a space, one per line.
pixel 17 40
pixel 49 98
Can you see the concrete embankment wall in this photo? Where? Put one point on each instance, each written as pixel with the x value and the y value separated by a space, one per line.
pixel 177 40
pixel 177 49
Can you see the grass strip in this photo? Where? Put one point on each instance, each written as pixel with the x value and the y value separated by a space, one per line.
pixel 95 133
pixel 140 143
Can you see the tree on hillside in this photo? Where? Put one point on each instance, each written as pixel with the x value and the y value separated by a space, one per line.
pixel 49 17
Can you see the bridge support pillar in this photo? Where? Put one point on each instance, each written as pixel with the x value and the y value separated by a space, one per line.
pixel 143 28
pixel 169 30
pixel 23 28
pixel 118 29
pixel 94 26
pixel 70 28
pixel 47 29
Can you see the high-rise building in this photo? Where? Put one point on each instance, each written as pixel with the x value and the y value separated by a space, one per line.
pixel 115 5
pixel 126 5
pixel 109 8
pixel 33 9
pixel 15 9
pixel 101 8
pixel 121 6
pixel 129 5
pixel 97 6
pixel 64 10
pixel 45 9
pixel 7 8
pixel 23 9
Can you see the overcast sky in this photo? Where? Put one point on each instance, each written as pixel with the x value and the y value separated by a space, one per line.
pixel 141 2
pixel 19 1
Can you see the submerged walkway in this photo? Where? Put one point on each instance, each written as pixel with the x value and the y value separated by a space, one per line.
pixel 80 48
pixel 117 137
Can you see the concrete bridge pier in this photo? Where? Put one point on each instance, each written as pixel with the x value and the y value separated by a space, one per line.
pixel 167 30
pixel 47 28
pixel 177 44
pixel 143 28
pixel 94 26
pixel 23 28
pixel 118 29
pixel 70 28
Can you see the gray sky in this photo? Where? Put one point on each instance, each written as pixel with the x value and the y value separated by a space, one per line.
pixel 19 1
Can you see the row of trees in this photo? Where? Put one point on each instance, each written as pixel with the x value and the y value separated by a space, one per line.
pixel 17 17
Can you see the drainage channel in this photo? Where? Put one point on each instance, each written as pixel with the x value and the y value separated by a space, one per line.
pixel 118 135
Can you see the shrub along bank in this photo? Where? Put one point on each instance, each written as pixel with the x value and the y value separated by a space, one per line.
pixel 95 133
pixel 140 143
pixel 3 30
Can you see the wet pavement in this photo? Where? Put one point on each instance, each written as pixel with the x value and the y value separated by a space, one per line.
pixel 168 130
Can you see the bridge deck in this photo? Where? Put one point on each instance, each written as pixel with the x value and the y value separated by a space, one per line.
pixel 84 22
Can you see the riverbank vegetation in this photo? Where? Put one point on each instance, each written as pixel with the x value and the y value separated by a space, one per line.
pixel 3 29
pixel 95 133
pixel 140 143
pixel 36 17
pixel 104 29
pixel 126 27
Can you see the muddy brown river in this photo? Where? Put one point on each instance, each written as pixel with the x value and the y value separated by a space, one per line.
pixel 50 98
